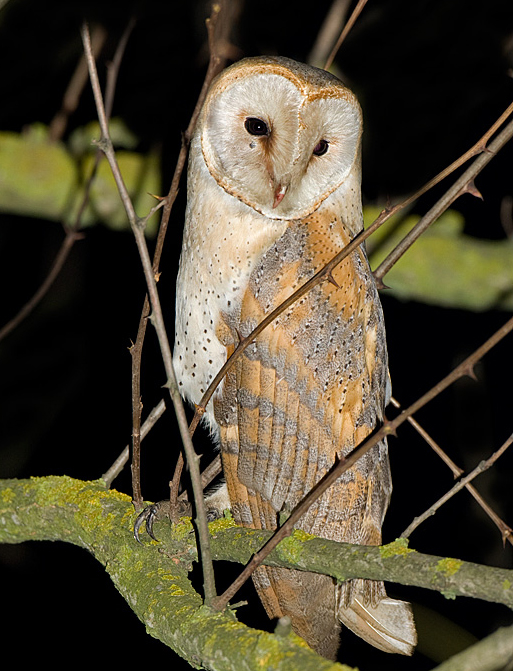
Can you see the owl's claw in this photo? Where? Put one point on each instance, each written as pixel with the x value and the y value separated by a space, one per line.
pixel 149 516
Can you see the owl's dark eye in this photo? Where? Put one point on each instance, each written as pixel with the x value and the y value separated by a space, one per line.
pixel 321 148
pixel 256 126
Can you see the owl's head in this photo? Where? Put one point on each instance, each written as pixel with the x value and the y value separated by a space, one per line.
pixel 280 136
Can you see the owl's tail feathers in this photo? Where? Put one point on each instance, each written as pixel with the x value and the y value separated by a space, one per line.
pixel 387 625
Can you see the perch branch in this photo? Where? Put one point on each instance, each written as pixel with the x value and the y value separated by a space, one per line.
pixel 62 508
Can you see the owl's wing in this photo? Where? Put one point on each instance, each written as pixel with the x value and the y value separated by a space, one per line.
pixel 309 389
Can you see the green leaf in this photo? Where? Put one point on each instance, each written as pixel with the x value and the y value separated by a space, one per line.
pixel 444 266
pixel 44 179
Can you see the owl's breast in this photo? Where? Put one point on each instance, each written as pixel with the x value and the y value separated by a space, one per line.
pixel 223 241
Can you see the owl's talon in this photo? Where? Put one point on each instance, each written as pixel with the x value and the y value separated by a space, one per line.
pixel 149 516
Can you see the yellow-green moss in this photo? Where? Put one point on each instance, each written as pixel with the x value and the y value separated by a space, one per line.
pixel 506 584
pixel 8 495
pixel 221 524
pixel 302 535
pixel 448 566
pixel 396 548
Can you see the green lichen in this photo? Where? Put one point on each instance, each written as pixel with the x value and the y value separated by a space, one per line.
pixel 182 529
pixel 448 594
pixel 221 524
pixel 397 548
pixel 291 548
pixel 302 535
pixel 8 495
pixel 506 584
pixel 448 566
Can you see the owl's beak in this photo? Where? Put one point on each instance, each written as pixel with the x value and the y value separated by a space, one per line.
pixel 279 193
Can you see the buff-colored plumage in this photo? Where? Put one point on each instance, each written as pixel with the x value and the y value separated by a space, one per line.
pixel 269 204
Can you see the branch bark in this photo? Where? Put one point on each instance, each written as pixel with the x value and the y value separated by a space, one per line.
pixel 154 578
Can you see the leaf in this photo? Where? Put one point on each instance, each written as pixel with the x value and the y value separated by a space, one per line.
pixel 42 179
pixel 445 267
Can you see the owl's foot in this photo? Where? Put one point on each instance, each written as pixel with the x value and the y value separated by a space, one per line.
pixel 216 502
pixel 156 512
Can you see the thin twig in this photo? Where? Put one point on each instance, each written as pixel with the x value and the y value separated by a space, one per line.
pixel 331 27
pixel 505 530
pixel 76 85
pixel 326 271
pixel 345 463
pixel 157 320
pixel 72 234
pixel 112 473
pixel 356 13
pixel 216 62
pixel 464 184
pixel 480 468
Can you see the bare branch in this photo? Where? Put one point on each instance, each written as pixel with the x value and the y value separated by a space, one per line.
pixel 331 27
pixel 76 85
pixel 157 319
pixel 505 530
pixel 216 63
pixel 352 19
pixel 480 468
pixel 109 476
pixel 462 185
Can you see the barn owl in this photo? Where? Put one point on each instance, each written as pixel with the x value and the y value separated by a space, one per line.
pixel 273 194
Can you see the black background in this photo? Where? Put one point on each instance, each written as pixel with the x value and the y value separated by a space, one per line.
pixel 432 76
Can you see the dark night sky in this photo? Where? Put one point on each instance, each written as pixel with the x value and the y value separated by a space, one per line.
pixel 432 76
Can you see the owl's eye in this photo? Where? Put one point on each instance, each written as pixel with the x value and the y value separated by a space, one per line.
pixel 321 148
pixel 256 126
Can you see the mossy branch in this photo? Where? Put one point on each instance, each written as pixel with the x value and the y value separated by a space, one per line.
pixel 154 578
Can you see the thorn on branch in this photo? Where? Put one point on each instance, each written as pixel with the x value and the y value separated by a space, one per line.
pixel 332 280
pixel 471 188
pixel 470 372
pixel 199 410
pixel 380 285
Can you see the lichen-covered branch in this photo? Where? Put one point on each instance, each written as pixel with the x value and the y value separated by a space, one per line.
pixel 154 578
pixel 155 586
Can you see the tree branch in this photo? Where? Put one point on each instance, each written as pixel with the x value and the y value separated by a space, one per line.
pixel 153 578
pixel 494 653
pixel 156 588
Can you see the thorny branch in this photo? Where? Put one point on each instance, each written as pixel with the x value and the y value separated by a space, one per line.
pixel 464 184
pixel 505 530
pixel 157 319
pixel 480 468
pixel 215 64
